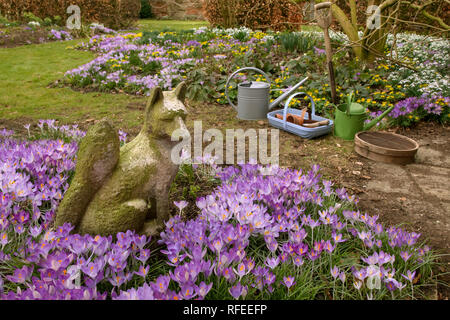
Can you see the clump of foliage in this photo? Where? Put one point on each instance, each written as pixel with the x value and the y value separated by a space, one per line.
pixel 113 13
pixel 146 10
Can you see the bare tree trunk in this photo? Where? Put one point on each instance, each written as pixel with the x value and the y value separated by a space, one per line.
pixel 373 40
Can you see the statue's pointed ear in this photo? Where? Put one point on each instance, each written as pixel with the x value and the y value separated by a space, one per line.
pixel 180 91
pixel 155 95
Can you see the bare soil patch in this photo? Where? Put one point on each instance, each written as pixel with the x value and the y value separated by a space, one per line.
pixel 19 36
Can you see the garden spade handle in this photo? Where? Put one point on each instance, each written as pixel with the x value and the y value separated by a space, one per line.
pixel 324 21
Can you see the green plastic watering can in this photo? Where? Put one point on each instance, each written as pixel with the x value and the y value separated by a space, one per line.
pixel 349 119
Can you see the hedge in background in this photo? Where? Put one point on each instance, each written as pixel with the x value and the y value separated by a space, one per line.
pixel 146 10
pixel 115 14
pixel 259 14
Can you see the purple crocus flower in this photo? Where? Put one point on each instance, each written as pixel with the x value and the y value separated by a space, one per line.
pixel 78 246
pixel 363 235
pixel 335 272
pixel 161 284
pixel 269 278
pixel 329 247
pixel 144 254
pixel 271 243
pixel 361 274
pixel 357 284
pixel 337 238
pixel 391 284
pixel 35 231
pixel 313 255
pixel 241 270
pixel 117 279
pixel 405 255
pixel 228 274
pixel 288 281
pixel 238 290
pixel 100 245
pixel 21 275
pixel 302 249
pixel 181 204
pixel 203 289
pixel 319 51
pixel 272 262
pixel 312 223
pixel 371 260
pixel 217 244
pixel 409 275
pixel 141 241
pixel 298 261
pixel 188 291
pixel 4 238
pixel 143 271
pixel 19 228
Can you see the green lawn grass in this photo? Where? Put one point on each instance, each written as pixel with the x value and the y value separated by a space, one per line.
pixel 27 71
pixel 159 25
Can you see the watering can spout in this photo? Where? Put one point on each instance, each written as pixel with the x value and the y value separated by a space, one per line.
pixel 286 94
pixel 378 119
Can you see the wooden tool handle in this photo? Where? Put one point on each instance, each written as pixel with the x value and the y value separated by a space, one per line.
pixel 322 5
pixel 316 124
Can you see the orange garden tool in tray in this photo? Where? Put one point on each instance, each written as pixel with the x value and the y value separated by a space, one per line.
pixel 300 122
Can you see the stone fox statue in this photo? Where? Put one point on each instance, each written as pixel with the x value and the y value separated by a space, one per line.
pixel 117 189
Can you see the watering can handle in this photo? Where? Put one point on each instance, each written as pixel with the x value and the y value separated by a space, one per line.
pixel 236 72
pixel 286 105
pixel 349 102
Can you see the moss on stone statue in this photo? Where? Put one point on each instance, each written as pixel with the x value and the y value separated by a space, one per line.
pixel 111 209
pixel 97 156
pixel 117 218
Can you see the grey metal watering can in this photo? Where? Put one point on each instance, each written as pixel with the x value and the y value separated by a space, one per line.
pixel 253 96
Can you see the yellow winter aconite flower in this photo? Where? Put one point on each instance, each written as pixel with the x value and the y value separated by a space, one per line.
pixel 259 35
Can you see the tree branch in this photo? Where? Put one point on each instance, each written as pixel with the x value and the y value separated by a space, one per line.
pixel 352 4
pixel 421 9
